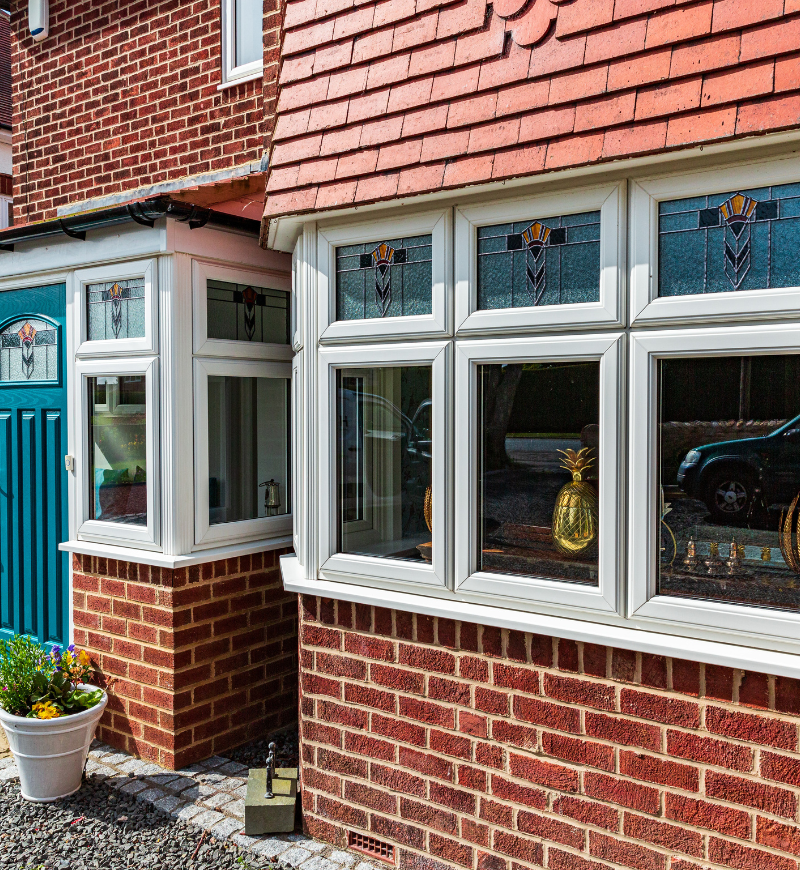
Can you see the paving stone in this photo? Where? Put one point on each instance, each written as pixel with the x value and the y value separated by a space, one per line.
pixel 234 808
pixel 365 866
pixel 104 772
pixel 319 863
pixel 270 847
pixel 161 778
pixel 150 794
pixel 232 768
pixel 7 762
pixel 296 838
pixel 231 783
pixel 222 830
pixel 295 856
pixel 8 773
pixel 243 841
pixel 314 846
pixel 133 787
pixel 116 758
pixel 180 783
pixel 185 811
pixel 169 803
pixel 207 819
pixel 216 800
pixel 134 765
pixel 346 859
pixel 216 761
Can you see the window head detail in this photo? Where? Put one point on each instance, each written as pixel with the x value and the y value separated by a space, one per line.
pixel 28 351
pixel 239 312
pixel 115 310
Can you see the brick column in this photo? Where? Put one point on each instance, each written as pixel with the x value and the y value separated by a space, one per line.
pixel 202 659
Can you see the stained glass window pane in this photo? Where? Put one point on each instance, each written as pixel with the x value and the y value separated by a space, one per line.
pixel 115 309
pixel 743 240
pixel 729 435
pixel 29 351
pixel 537 506
pixel 239 312
pixel 383 422
pixel 388 279
pixel 552 261
pixel 248 448
pixel 118 449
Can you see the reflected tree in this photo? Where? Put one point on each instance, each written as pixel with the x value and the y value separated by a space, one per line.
pixel 499 391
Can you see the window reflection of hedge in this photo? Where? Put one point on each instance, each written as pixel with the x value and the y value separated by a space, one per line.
pixel 566 397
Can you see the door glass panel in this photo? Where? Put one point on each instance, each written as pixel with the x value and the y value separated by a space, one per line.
pixel 729 437
pixel 115 309
pixel 384 279
pixel 29 351
pixel 742 240
pixel 384 448
pixel 249 31
pixel 248 448
pixel 552 261
pixel 538 512
pixel 239 312
pixel 118 449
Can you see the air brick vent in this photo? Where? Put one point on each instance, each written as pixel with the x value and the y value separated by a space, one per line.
pixel 371 846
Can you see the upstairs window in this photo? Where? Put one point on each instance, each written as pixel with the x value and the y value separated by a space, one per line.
pixel 242 39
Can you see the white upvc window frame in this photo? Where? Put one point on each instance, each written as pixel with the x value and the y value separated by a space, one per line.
pixel 609 310
pixel 5 211
pixel 646 194
pixel 374 570
pixel 232 74
pixel 207 535
pixel 405 328
pixel 142 537
pixel 644 604
pixel 202 272
pixel 147 344
pixel 608 350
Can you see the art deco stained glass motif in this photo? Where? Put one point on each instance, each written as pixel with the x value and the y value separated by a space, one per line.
pixel 115 309
pixel 29 351
pixel 239 312
pixel 745 240
pixel 552 261
pixel 388 279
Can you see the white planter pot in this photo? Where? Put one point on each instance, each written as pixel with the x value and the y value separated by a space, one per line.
pixel 51 753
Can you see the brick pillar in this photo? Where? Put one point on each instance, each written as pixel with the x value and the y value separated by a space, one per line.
pixel 202 658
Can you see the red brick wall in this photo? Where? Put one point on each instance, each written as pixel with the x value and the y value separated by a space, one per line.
pixel 124 94
pixel 468 746
pixel 395 97
pixel 203 658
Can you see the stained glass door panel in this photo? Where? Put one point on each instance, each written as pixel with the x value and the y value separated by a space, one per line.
pixel 34 574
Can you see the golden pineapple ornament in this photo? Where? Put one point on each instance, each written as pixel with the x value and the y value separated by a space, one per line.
pixel 576 515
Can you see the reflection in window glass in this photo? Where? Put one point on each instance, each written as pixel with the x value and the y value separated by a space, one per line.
pixel 384 279
pixel 383 422
pixel 249 36
pixel 115 309
pixel 744 240
pixel 537 483
pixel 248 448
pixel 554 261
pixel 730 471
pixel 117 449
pixel 239 312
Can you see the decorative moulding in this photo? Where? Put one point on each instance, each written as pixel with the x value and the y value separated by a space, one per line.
pixel 528 22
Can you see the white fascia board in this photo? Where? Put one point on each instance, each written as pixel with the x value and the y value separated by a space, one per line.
pixel 710 652
pixel 285 229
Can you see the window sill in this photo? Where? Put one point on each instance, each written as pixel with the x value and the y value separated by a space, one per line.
pixel 710 652
pixel 161 560
pixel 248 77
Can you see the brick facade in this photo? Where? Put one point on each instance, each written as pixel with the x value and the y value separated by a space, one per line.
pixel 202 658
pixel 468 746
pixel 124 95
pixel 397 97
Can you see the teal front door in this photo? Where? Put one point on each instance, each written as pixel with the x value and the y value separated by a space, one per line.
pixel 34 575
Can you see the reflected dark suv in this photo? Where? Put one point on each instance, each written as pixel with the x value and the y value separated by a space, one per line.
pixel 726 475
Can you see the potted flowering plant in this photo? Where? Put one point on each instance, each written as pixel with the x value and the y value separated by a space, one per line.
pixel 49 711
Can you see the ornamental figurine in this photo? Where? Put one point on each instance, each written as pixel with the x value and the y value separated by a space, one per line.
pixel 576 513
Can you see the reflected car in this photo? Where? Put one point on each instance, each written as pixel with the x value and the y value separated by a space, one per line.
pixel 728 476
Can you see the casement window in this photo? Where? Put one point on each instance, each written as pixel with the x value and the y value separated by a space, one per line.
pixel 597 425
pixel 242 402
pixel 242 40
pixel 115 388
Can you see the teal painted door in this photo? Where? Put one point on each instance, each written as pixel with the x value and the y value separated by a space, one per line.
pixel 34 575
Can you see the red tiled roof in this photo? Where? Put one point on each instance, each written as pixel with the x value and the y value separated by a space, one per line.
pixel 397 97
pixel 5 71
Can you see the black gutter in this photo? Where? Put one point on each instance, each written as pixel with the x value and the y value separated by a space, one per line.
pixel 145 212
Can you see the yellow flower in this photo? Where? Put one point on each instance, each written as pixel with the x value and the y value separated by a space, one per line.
pixel 83 658
pixel 46 710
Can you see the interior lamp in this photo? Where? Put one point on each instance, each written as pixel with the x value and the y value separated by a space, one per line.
pixel 39 19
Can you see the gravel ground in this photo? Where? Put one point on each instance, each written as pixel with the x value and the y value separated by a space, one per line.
pixel 255 754
pixel 99 828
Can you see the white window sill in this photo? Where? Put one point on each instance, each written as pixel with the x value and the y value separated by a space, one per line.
pixel 248 77
pixel 710 652
pixel 160 560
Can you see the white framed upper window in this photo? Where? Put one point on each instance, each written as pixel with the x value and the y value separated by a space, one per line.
pixel 242 457
pixel 546 262
pixel 117 470
pixel 385 279
pixel 713 505
pixel 716 244
pixel 117 309
pixel 240 313
pixel 6 212
pixel 242 39
pixel 383 471
pixel 537 469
